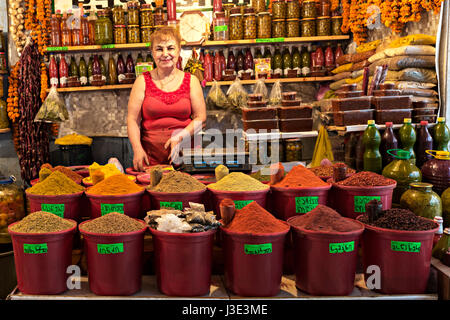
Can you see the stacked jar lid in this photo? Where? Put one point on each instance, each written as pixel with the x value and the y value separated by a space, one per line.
pixel 292 18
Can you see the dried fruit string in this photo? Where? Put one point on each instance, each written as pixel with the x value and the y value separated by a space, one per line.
pixel 13 96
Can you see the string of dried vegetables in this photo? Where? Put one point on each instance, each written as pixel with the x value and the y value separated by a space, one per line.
pixel 12 106
pixel 44 81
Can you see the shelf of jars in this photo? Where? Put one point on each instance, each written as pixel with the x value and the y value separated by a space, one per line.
pixel 94 88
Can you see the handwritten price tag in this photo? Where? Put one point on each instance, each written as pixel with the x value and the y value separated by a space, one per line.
pixel 114 207
pixel 360 202
pixel 342 247
pixel 263 248
pixel 108 46
pixel 220 28
pixel 35 248
pixel 176 205
pixel 270 40
pixel 110 248
pixel 305 204
pixel 51 49
pixel 406 246
pixel 57 209
pixel 239 204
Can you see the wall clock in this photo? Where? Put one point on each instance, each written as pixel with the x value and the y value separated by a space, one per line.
pixel 193 27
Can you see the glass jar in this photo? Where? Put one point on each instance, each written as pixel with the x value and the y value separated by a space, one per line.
pixel 133 13
pixel 134 34
pixel 264 22
pixel 323 25
pixel 146 33
pixel 279 9
pixel 292 28
pixel 279 28
pixel 103 29
pixel 259 5
pixel 309 9
pixel 336 24
pixel 292 9
pixel 308 27
pixel 3 65
pixel 293 150
pixel 12 208
pixel 250 24
pixel 4 123
pixel 221 32
pixel 236 27
pixel 422 200
pixel 120 34
pixel 324 8
pixel 118 15
pixel 146 15
pixel 158 17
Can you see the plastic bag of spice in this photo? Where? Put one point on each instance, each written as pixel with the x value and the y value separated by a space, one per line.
pixel 237 96
pixel 260 88
pixel 275 94
pixel 53 109
pixel 216 98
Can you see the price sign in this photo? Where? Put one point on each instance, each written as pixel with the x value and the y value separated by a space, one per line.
pixel 342 247
pixel 110 248
pixel 263 248
pixel 54 208
pixel 305 204
pixel 220 28
pixel 360 202
pixel 51 49
pixel 270 40
pixel 239 204
pixel 406 246
pixel 113 207
pixel 108 46
pixel 35 248
pixel 176 205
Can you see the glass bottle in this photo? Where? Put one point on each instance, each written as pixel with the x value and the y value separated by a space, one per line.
pixel 388 142
pixel 96 68
pixel 320 57
pixel 84 31
pixel 440 231
pixel 441 135
pixel 63 72
pixel 296 61
pixel 249 66
pixel 267 54
pixel 129 66
pixel 112 71
pixel 424 143
pixel 371 141
pixel 223 62
pixel 258 54
pixel 171 10
pixel 306 62
pixel 231 61
pixel 139 58
pixel 76 32
pixel 329 58
pixel 287 61
pixel 442 246
pixel 277 64
pixel 240 63
pixel 408 138
pixel 339 52
pixel 217 67
pixel 53 72
pixel 90 69
pixel 208 66
pixel 66 38
pixel 121 70
pixel 55 25
pixel 74 71
pixel 103 69
pixel 83 72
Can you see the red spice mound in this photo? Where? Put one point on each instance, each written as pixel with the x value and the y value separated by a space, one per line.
pixel 323 218
pixel 255 219
pixel 366 179
pixel 299 176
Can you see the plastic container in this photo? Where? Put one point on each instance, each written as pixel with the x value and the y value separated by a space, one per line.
pixel 395 116
pixel 394 102
pixel 349 94
pixel 261 125
pixel 183 262
pixel 288 202
pixel 75 155
pixel 259 113
pixel 325 262
pixel 65 206
pixel 422 200
pixel 437 171
pixel 294 112
pixel 114 261
pixel 429 118
pixel 351 104
pixel 291 103
pixel 11 203
pixel 129 204
pixel 424 111
pixel 42 273
pixel 178 201
pixel 296 125
pixel 386 93
pixel 404 267
pixel 248 273
pixel 240 198
pixel 348 118
pixel 257 104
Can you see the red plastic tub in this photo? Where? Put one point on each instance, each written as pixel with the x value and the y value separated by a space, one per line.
pixel 288 202
pixel 325 262
pixel 249 271
pixel 183 262
pixel 178 200
pixel 350 201
pixel 67 206
pixel 404 258
pixel 42 259
pixel 240 198
pixel 129 204
pixel 114 261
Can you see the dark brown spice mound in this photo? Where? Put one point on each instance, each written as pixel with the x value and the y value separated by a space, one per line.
pixel 400 219
pixel 42 222
pixel 366 179
pixel 113 222
pixel 327 171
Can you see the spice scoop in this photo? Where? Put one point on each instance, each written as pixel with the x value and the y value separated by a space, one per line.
pixel 276 173
pixel 227 210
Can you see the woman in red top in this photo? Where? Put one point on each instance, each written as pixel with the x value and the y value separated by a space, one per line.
pixel 166 105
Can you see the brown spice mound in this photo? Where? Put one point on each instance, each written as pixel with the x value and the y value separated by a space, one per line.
pixel 327 171
pixel 113 222
pixel 400 219
pixel 366 179
pixel 42 222
pixel 68 172
pixel 56 184
pixel 115 185
pixel 178 182
pixel 323 218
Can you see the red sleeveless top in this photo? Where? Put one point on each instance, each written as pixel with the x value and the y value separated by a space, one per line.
pixel 166 110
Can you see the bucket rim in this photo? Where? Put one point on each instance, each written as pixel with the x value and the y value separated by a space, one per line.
pixel 158 193
pixel 184 234
pixel 83 232
pixel 389 186
pixel 256 235
pixel 56 197
pixel 329 233
pixel 113 196
pixel 15 233
pixel 321 188
pixel 215 191
pixel 393 231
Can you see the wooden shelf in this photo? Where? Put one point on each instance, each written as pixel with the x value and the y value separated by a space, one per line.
pixel 362 127
pixel 5 130
pixel 282 80
pixel 280 135
pixel 94 88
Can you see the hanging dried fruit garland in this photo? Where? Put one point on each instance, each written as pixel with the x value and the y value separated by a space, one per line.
pixel 13 96
pixel 37 20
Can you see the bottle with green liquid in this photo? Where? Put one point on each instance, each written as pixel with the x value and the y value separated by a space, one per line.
pixel 372 155
pixel 441 136
pixel 408 138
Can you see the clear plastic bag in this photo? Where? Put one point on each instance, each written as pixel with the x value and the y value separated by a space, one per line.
pixel 53 109
pixel 275 94
pixel 260 88
pixel 237 96
pixel 216 99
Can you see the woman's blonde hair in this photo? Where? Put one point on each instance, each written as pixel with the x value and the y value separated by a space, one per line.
pixel 165 33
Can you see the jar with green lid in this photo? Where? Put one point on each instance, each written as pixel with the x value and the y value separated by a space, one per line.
pixel 236 26
pixel 402 171
pixel 422 200
pixel 259 5
pixel 249 24
pixel 309 9
pixel 292 9
pixel 323 25
pixel 264 22
pixel 278 28
pixel 308 27
pixel 103 29
pixel 292 28
pixel 146 15
pixel 336 24
pixel 134 34
pixel 118 15
pixel 279 9
pixel 120 34
pixel 146 32
pixel 293 150
pixel 133 13
pixel 4 123
pixel 12 204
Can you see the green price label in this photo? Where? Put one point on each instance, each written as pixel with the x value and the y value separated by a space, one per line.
pixel 50 49
pixel 270 40
pixel 405 246
pixel 113 207
pixel 110 248
pixel 108 46
pixel 35 248
pixel 239 204
pixel 220 28
pixel 342 247
pixel 263 248
pixel 57 209
pixel 360 202
pixel 305 204
pixel 148 44
pixel 175 205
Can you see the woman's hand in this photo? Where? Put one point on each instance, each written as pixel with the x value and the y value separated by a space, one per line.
pixel 174 144
pixel 139 158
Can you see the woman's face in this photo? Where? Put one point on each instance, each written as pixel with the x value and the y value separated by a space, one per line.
pixel 166 53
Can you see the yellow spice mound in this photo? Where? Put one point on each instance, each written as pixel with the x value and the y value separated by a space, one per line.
pixel 238 181
pixel 115 185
